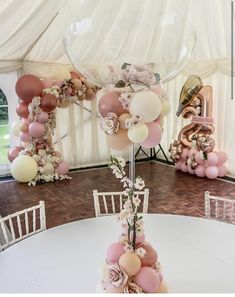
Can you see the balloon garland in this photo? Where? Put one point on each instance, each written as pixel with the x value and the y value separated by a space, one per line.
pixel 36 160
pixel 193 151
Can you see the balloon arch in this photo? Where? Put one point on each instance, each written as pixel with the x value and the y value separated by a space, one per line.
pixel 36 160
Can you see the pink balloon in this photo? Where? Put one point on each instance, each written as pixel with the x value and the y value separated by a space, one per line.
pixel 57 83
pixel 114 252
pixel 190 170
pixel 183 167
pixel 148 279
pixel 43 117
pixel 184 154
pixel 140 239
pixel 13 153
pixel 47 83
pixel 24 136
pixel 200 171
pixel 26 121
pixel 212 172
pixel 212 159
pixel 154 135
pixel 222 157
pixel 198 158
pixel 178 164
pixel 156 89
pixel 222 170
pixel 158 119
pixel 36 129
pixel 192 152
pixel 63 168
pixel 68 91
pixel 110 103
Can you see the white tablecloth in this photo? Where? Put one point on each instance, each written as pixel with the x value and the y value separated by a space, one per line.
pixel 197 255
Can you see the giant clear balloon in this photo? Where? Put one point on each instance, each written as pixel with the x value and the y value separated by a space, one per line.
pixel 105 36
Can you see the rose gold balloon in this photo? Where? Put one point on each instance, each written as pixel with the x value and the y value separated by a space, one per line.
pixel 22 110
pixel 49 102
pixel 74 75
pixel 119 141
pixel 13 153
pixel 110 103
pixel 28 86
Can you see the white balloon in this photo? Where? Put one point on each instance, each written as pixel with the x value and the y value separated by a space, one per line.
pixel 147 105
pixel 138 133
pixel 62 75
pixel 48 168
pixel 166 108
pixel 15 127
pixel 24 168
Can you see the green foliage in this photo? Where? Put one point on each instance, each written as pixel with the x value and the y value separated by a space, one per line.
pixel 3 109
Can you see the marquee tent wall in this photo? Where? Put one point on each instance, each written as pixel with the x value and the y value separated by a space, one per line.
pixel 31 36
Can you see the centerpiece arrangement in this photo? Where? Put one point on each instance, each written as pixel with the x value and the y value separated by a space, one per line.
pixel 136 55
pixel 132 264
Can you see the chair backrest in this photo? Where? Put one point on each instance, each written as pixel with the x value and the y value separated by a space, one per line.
pixel 218 208
pixel 22 224
pixel 108 203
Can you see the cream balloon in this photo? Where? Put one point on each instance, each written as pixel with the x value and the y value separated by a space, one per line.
pixel 145 104
pixel 15 127
pixel 122 120
pixel 138 133
pixel 48 168
pixel 130 263
pixel 62 75
pixel 24 168
pixel 166 108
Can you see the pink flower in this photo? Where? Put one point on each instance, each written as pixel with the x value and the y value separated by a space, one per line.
pixel 110 124
pixel 132 288
pixel 115 276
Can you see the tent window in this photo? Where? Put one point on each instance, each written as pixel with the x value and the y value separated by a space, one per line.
pixel 4 128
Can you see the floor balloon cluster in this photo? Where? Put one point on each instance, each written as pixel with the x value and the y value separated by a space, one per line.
pixel 36 160
pixel 193 151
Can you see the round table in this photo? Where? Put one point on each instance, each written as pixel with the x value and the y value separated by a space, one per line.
pixel 197 256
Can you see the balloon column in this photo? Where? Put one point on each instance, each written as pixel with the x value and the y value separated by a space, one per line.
pixel 134 116
pixel 193 151
pixel 36 160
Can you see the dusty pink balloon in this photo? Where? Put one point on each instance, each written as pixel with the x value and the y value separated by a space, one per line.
pixel 114 251
pixel 183 167
pixel 110 103
pixel 47 83
pixel 200 171
pixel 190 170
pixel 68 91
pixel 212 172
pixel 184 154
pixel 192 152
pixel 198 158
pixel 154 135
pixel 148 279
pixel 36 129
pixel 24 136
pixel 222 170
pixel 43 117
pixel 140 239
pixel 222 158
pixel 212 159
pixel 63 168
pixel 26 121
pixel 178 164
pixel 13 153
